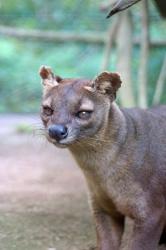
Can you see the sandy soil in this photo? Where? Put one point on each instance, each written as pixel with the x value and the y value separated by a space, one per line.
pixel 43 201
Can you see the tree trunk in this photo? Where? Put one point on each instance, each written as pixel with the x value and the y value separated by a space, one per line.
pixel 124 56
pixel 144 54
pixel 160 83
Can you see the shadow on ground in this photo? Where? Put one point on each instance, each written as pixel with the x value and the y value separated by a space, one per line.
pixel 43 201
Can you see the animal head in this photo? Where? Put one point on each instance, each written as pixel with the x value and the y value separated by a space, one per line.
pixel 76 109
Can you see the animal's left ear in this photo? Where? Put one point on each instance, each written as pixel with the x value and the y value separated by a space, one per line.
pixel 107 83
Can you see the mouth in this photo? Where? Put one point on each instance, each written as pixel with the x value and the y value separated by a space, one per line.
pixel 64 143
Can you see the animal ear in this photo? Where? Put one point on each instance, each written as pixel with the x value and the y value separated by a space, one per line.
pixel 48 78
pixel 107 83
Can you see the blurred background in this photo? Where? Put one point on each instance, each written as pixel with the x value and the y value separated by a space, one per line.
pixel 43 199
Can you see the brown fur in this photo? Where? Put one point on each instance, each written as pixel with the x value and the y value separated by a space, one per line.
pixel 122 154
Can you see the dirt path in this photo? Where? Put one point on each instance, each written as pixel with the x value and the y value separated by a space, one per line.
pixel 43 201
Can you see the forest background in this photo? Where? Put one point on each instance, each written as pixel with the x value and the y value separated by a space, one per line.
pixel 72 37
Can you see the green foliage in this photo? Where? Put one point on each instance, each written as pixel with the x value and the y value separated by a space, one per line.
pixel 20 88
pixel 24 128
pixel 156 58
pixel 57 15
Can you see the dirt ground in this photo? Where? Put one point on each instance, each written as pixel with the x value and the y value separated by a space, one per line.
pixel 43 200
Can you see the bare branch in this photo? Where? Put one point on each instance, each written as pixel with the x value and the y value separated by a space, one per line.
pixel 52 36
pixel 63 36
pixel 110 39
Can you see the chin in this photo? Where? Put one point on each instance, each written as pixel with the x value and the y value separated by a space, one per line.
pixel 65 143
pixel 60 145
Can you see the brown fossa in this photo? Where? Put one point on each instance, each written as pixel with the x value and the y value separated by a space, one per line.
pixel 122 154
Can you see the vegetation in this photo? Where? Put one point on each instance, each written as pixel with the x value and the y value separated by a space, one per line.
pixel 20 59
pixel 24 128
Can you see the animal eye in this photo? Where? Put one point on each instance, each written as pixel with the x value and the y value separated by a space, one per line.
pixel 84 115
pixel 47 111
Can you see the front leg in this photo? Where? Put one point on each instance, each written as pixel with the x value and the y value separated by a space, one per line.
pixel 109 229
pixel 143 234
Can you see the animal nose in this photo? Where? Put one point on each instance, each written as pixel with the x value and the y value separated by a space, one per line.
pixel 58 132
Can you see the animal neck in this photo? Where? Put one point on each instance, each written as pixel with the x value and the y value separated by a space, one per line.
pixel 108 139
